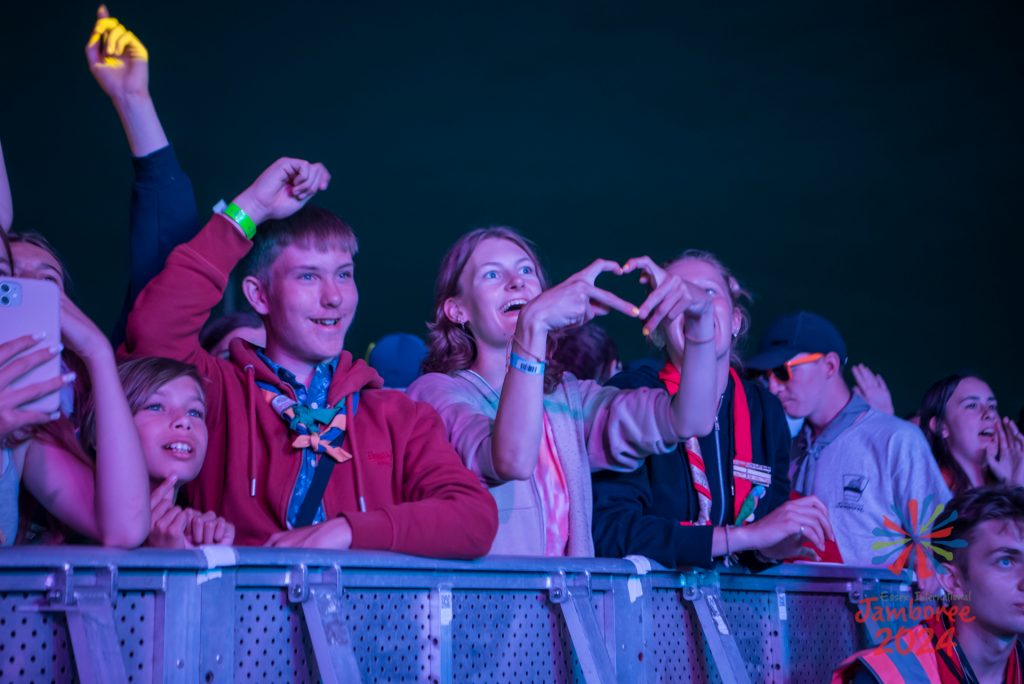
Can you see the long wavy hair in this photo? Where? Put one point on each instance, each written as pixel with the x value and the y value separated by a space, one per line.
pixel 933 409
pixel 451 346
pixel 5 249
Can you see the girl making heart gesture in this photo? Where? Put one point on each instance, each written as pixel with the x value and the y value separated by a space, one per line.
pixel 531 432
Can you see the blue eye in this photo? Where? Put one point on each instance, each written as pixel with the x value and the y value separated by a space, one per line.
pixel 345 275
pixel 154 407
pixel 195 413
pixel 490 275
pixel 307 276
pixel 526 270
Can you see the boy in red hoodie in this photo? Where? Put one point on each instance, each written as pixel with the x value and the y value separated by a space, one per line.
pixel 305 448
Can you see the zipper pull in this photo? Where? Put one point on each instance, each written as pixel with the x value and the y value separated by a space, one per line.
pixel 716 423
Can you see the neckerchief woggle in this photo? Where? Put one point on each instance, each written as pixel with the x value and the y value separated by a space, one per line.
pixel 322 430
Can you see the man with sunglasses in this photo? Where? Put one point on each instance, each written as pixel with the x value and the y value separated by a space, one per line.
pixel 859 461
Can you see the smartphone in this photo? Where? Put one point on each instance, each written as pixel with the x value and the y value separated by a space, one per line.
pixel 28 307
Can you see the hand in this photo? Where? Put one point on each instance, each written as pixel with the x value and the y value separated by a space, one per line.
pixel 674 310
pixel 282 189
pixel 14 363
pixel 781 533
pixel 871 388
pixel 117 59
pixel 334 534
pixel 208 528
pixel 1007 464
pixel 575 300
pixel 167 529
pixel 80 334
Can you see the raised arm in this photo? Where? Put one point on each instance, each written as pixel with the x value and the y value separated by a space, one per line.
pixel 680 315
pixel 172 309
pixel 109 502
pixel 120 64
pixel 163 208
pixel 519 421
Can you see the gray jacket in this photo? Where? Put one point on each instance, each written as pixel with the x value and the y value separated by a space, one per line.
pixel 860 466
pixel 594 428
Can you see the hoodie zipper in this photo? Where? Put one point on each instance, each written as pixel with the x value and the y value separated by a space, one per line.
pixel 721 473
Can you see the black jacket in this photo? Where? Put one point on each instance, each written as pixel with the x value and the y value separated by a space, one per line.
pixel 639 512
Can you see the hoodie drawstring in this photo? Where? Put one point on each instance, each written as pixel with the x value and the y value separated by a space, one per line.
pixel 350 403
pixel 250 373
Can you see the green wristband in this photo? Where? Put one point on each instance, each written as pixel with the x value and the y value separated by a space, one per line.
pixel 236 214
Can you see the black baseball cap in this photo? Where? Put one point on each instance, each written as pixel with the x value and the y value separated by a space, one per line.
pixel 802 332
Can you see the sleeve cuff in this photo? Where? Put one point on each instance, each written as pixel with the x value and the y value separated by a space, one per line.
pixel 372 530
pixel 157 168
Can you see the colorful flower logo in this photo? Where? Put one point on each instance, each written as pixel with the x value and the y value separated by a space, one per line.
pixel 915 532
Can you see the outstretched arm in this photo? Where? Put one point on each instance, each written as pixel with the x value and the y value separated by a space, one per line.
pixel 163 207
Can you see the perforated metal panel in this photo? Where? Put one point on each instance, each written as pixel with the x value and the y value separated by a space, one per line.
pixel 752 622
pixel 133 621
pixel 34 646
pixel 390 632
pixel 504 627
pixel 512 637
pixel 271 643
pixel 675 649
pixel 824 635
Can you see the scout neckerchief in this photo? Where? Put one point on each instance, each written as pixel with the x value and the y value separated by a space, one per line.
pixel 322 431
pixel 807 452
pixel 750 480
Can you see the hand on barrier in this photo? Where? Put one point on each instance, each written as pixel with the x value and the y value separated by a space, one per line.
pixel 781 533
pixel 871 388
pixel 334 534
pixel 117 58
pixel 14 363
pixel 282 189
pixel 168 530
pixel 174 527
pixel 209 528
pixel 167 526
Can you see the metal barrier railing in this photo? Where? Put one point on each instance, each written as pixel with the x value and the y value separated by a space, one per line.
pixel 262 615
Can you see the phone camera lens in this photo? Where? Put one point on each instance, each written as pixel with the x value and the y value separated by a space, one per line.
pixel 5 287
pixel 5 300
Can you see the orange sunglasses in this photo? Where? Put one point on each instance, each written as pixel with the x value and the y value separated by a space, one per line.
pixel 784 373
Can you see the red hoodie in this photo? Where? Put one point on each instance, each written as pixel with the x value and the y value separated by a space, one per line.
pixel 419 497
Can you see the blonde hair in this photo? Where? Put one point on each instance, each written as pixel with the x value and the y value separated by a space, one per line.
pixel 738 294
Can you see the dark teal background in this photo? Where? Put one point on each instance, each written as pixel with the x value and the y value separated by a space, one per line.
pixel 863 162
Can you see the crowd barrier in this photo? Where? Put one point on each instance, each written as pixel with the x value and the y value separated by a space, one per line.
pixel 78 614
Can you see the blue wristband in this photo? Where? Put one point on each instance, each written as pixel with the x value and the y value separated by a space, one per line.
pixel 525 366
